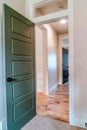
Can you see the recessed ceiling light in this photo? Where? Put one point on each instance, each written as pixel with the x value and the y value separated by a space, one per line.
pixel 63 21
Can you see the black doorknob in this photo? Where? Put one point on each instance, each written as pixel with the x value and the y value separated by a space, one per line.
pixel 9 79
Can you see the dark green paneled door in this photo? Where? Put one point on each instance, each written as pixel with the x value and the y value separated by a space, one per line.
pixel 20 69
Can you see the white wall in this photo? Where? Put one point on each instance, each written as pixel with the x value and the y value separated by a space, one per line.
pixel 80 43
pixel 52 43
pixel 46 58
pixel 45 63
pixel 18 5
pixel 41 59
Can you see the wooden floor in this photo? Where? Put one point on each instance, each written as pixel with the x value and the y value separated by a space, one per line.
pixel 56 105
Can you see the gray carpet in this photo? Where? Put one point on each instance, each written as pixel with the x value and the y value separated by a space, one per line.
pixel 45 123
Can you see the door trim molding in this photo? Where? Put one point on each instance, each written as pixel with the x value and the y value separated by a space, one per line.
pixel 60 46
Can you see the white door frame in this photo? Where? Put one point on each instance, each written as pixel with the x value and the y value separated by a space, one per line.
pixel 52 18
pixel 60 46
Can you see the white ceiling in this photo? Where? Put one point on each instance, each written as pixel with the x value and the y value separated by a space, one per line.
pixel 60 28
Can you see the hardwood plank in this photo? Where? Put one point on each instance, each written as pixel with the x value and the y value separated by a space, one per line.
pixel 55 105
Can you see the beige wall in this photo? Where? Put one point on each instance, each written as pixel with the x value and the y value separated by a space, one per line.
pixel 46 58
pixel 19 6
pixel 52 42
pixel 41 59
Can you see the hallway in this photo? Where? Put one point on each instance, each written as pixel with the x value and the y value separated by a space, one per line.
pixel 56 105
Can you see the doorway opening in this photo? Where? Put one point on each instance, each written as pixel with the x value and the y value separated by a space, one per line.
pixel 52 90
pixel 65 65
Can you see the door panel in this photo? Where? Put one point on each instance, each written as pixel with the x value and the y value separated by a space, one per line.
pixel 25 49
pixel 20 27
pixel 20 68
pixel 22 88
pixel 22 108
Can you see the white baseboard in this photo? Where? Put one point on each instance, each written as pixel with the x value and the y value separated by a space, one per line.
pixel 53 87
pixel 0 125
pixel 3 125
pixel 79 123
